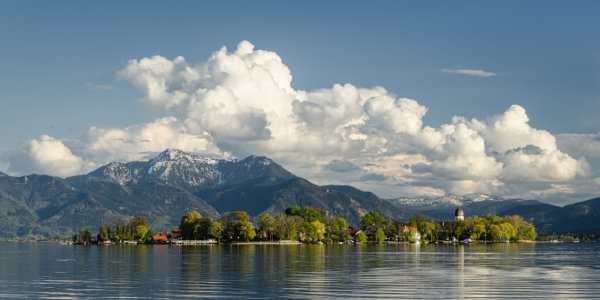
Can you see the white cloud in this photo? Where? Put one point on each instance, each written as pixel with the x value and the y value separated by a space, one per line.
pixel 479 73
pixel 242 102
pixel 47 155
pixel 91 86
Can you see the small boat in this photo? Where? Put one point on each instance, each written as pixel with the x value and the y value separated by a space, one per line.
pixel 576 241
pixel 503 240
pixel 387 243
pixel 553 240
pixel 319 243
pixel 414 242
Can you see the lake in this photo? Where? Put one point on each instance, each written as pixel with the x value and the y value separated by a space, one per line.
pixel 534 270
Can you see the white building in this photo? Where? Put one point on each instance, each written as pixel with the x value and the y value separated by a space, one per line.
pixel 459 215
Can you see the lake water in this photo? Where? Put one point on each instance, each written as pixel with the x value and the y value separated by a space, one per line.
pixel 53 271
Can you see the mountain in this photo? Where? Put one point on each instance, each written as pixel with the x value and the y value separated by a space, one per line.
pixel 580 218
pixel 2 174
pixel 164 189
pixel 472 204
pixel 177 168
pixel 382 204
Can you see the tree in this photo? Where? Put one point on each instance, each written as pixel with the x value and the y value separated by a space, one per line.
pixel 371 218
pixel 216 231
pixel 188 224
pixel 361 237
pixel 379 235
pixel 528 232
pixel 247 231
pixel 509 230
pixel 150 233
pixel 293 211
pixel 75 239
pixel 140 231
pixel 494 232
pixel 203 227
pixel 478 230
pixel 103 232
pixel 288 226
pixel 410 234
pixel 85 235
pixel 314 231
pixel 265 225
pixel 310 214
pixel 427 228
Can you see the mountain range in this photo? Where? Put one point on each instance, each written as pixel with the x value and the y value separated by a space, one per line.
pixel 165 188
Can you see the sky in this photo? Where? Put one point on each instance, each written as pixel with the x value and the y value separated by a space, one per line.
pixel 403 99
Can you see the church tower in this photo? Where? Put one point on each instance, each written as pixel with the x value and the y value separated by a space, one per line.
pixel 459 215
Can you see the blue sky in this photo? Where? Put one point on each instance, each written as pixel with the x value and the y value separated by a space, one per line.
pixel 545 56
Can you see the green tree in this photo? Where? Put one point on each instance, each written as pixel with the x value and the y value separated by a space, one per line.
pixel 265 225
pixel 427 228
pixel 85 235
pixel 371 218
pixel 494 232
pixel 310 214
pixel 246 230
pixel 103 232
pixel 75 239
pixel 509 230
pixel 188 224
pixel 410 234
pixel 204 225
pixel 288 226
pixel 379 235
pixel 150 234
pixel 528 232
pixel 314 231
pixel 293 211
pixel 478 230
pixel 216 231
pixel 140 232
pixel 361 237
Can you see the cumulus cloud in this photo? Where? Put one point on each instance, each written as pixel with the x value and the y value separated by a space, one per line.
pixel 479 73
pixel 47 155
pixel 239 103
pixel 91 86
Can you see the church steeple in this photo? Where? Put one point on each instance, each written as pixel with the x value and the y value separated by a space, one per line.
pixel 459 214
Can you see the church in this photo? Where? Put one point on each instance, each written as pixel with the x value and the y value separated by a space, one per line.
pixel 459 215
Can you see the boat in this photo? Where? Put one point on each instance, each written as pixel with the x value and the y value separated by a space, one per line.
pixel 319 243
pixel 414 242
pixel 576 241
pixel 553 240
pixel 503 240
pixel 387 243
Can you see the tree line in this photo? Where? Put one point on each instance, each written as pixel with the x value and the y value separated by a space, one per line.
pixel 312 224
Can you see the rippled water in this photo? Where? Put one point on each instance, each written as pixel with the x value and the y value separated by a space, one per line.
pixel 52 271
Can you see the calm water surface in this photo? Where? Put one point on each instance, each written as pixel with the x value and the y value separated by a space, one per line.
pixel 52 271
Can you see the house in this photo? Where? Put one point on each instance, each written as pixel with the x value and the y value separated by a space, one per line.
pixel 372 229
pixel 416 236
pixel 159 239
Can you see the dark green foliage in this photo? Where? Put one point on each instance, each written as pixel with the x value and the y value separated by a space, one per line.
pixel 371 218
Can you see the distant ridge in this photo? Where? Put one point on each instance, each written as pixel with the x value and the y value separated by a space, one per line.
pixel 472 204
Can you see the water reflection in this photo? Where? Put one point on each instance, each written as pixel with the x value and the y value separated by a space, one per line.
pixel 44 270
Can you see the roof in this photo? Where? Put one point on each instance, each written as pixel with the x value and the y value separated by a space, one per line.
pixel 174 235
pixel 459 212
pixel 159 238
